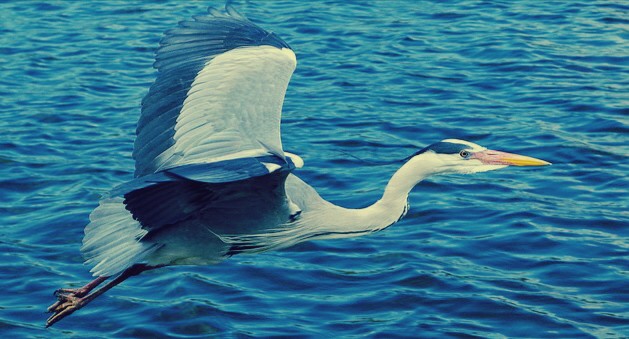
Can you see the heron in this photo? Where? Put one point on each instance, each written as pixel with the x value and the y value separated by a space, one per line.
pixel 211 177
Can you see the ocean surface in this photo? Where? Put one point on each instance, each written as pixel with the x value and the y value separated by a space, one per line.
pixel 516 253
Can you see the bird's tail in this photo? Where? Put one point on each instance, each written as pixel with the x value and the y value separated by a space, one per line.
pixel 111 243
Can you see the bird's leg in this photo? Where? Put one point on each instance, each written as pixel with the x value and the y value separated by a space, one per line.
pixel 65 294
pixel 76 299
pixel 79 292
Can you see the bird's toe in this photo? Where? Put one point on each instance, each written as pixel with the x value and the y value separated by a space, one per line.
pixel 63 308
pixel 54 306
pixel 76 292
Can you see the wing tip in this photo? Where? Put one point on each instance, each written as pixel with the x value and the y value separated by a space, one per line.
pixel 231 10
pixel 297 160
pixel 228 11
pixel 291 54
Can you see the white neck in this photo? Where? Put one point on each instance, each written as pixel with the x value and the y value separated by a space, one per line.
pixel 328 221
pixel 404 179
pixel 384 212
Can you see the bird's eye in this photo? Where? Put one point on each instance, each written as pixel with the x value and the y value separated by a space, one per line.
pixel 464 154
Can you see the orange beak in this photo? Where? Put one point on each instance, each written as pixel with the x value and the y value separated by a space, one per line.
pixel 491 157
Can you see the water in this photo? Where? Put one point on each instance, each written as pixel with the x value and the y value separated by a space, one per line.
pixel 515 253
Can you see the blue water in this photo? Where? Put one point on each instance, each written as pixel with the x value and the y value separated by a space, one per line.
pixel 536 253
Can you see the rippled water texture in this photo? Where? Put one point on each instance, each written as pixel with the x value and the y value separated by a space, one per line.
pixel 514 253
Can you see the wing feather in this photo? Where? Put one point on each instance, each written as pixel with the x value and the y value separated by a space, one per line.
pixel 218 94
pixel 116 237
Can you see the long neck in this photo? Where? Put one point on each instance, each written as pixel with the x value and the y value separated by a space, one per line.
pixel 325 220
pixel 384 212
pixel 402 182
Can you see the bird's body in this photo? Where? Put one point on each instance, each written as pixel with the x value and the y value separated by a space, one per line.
pixel 212 178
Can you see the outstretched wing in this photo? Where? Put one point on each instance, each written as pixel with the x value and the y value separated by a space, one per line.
pixel 115 237
pixel 218 94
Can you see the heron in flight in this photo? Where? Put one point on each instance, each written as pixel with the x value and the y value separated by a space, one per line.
pixel 211 177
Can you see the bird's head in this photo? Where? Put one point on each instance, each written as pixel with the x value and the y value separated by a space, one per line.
pixel 460 156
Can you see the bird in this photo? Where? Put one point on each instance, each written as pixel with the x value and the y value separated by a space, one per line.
pixel 211 177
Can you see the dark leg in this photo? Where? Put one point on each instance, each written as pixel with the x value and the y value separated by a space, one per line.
pixel 75 299
pixel 79 292
pixel 65 294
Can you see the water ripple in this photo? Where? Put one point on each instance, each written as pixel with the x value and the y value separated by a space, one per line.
pixel 516 253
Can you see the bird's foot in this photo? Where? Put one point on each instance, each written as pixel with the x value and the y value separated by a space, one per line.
pixel 74 292
pixel 68 301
